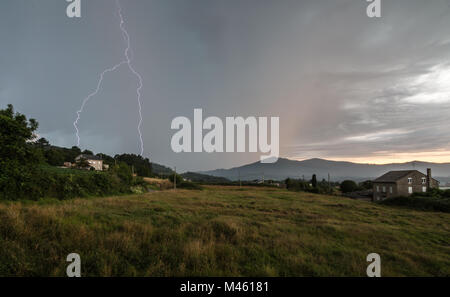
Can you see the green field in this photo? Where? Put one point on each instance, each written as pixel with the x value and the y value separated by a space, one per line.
pixel 221 231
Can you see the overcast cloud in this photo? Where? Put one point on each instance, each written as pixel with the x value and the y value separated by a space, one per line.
pixel 345 86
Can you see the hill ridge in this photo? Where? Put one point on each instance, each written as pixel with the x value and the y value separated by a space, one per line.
pixel 339 170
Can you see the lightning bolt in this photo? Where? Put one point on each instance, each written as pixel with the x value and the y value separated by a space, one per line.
pixel 127 61
pixel 99 84
pixel 130 66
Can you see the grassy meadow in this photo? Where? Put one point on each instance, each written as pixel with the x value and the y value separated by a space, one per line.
pixel 221 231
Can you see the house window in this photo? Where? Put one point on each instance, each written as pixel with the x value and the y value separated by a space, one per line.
pixel 378 188
pixel 409 180
pixel 424 189
pixel 410 190
pixel 424 180
pixel 384 189
pixel 390 190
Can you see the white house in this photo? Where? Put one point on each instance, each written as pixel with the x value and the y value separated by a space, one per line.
pixel 94 161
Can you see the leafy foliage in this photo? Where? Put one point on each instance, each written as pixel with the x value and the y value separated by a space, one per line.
pixel 322 187
pixel 142 166
pixel 19 159
pixel 314 181
pixel 204 178
pixel 420 203
pixel 348 186
pixel 366 185
pixel 82 163
pixel 25 172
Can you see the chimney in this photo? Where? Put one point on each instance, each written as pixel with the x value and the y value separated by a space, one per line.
pixel 429 178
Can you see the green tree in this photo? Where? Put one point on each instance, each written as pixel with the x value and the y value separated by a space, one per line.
pixel 42 143
pixel 88 152
pixel 179 178
pixel 366 185
pixel 54 157
pixel 123 171
pixel 348 186
pixel 314 181
pixel 82 163
pixel 19 159
pixel 142 167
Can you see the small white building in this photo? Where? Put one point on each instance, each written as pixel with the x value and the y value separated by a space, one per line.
pixel 94 161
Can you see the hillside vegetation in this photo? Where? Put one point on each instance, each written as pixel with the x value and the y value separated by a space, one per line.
pixel 221 231
pixel 29 166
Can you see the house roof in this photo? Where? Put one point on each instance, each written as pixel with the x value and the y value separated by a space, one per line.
pixel 90 157
pixel 393 176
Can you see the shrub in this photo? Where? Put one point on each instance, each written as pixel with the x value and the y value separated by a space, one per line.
pixel 178 178
pixel 366 185
pixel 189 186
pixel 348 186
pixel 446 194
pixel 419 203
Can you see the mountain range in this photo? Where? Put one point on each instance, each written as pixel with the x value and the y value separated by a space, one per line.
pixel 338 170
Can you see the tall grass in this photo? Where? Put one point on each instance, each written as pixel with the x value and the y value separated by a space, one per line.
pixel 221 231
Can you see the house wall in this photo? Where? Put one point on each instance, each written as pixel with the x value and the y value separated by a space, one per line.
pixel 401 187
pixel 384 190
pixel 418 185
pixel 97 164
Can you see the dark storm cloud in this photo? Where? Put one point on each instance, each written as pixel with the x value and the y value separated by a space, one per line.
pixel 344 86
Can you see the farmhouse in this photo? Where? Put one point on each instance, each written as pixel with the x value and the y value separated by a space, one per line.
pixel 94 161
pixel 402 183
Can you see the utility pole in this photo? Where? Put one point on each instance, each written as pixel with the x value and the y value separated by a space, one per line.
pixel 175 178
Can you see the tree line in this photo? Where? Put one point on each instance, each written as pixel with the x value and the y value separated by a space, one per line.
pixel 27 166
pixel 57 156
pixel 326 187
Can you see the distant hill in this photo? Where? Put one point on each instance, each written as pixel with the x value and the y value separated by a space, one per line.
pixel 203 178
pixel 161 169
pixel 338 171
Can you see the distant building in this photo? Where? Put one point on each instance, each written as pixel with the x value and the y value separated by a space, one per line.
pixel 402 183
pixel 94 161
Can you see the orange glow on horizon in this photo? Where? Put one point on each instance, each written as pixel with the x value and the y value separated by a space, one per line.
pixel 380 158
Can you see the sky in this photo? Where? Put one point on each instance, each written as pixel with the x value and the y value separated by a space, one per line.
pixel 345 86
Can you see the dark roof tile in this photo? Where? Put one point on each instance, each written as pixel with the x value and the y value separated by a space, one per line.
pixel 393 176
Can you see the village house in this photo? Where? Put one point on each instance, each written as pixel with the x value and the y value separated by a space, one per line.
pixel 402 183
pixel 94 161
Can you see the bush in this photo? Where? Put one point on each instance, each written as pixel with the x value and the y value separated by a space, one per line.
pixel 322 187
pixel 18 158
pixel 433 193
pixel 123 171
pixel 446 194
pixel 366 185
pixel 189 186
pixel 178 178
pixel 348 186
pixel 419 203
